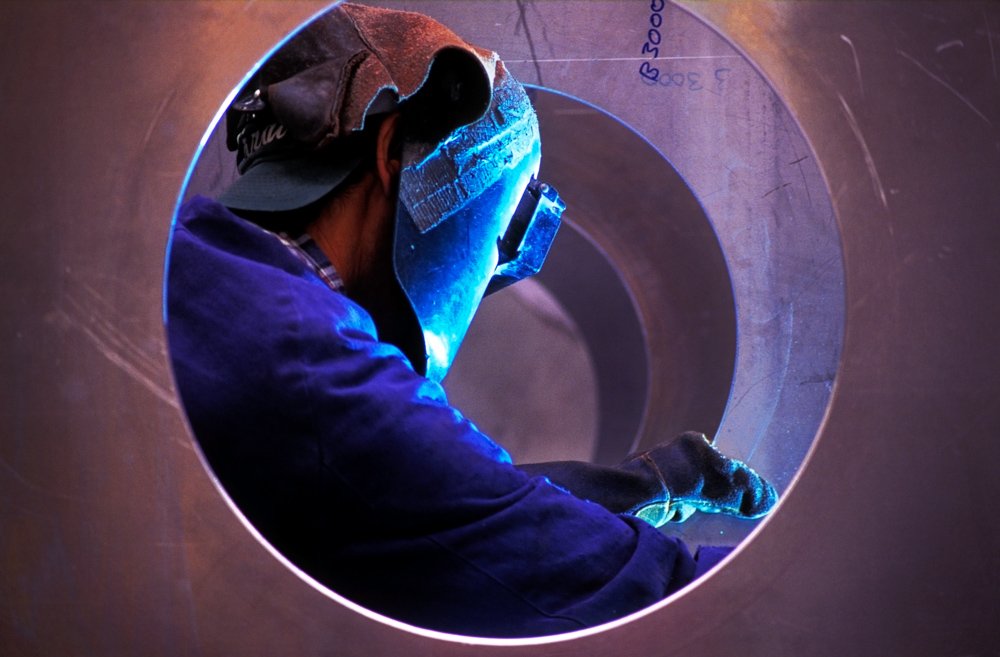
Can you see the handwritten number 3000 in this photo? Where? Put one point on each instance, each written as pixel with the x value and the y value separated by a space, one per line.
pixel 653 40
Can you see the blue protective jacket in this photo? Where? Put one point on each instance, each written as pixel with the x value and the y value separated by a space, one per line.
pixel 358 470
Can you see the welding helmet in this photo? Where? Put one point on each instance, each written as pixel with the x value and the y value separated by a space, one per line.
pixel 471 218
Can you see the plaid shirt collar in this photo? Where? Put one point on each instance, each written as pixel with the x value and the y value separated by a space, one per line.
pixel 307 250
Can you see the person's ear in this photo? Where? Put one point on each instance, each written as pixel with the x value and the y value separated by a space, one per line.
pixel 387 158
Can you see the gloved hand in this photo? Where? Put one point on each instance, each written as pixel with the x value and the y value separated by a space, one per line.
pixel 694 476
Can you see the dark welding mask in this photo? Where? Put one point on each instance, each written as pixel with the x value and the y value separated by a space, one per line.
pixel 471 219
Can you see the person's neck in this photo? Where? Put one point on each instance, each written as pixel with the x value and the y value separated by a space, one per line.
pixel 355 231
pixel 348 229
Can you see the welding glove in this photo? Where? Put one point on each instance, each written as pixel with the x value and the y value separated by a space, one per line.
pixel 695 476
pixel 667 483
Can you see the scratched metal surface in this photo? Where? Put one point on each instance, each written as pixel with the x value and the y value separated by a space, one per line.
pixel 114 538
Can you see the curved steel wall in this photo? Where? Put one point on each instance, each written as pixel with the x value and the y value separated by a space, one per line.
pixel 115 540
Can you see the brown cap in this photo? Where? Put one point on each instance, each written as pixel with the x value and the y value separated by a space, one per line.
pixel 351 63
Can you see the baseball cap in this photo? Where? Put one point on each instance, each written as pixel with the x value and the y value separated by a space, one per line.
pixel 292 125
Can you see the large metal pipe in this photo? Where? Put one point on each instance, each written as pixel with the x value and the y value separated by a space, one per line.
pixel 847 165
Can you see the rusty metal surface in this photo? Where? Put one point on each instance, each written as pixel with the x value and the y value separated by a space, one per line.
pixel 115 540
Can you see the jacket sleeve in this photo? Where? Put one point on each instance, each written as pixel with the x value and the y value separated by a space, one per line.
pixel 359 471
pixel 616 489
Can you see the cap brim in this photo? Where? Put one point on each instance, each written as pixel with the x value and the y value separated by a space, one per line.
pixel 287 184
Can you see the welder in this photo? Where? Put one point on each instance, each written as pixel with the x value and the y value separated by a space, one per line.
pixel 388 182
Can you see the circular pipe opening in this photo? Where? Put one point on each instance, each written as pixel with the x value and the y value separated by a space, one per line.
pixel 638 315
pixel 735 149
